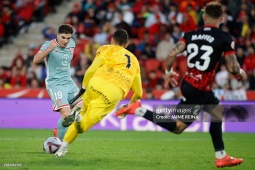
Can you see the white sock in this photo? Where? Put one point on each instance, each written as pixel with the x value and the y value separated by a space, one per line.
pixel 140 111
pixel 63 147
pixel 220 154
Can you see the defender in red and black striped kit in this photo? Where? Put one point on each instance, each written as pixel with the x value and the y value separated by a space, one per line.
pixel 205 48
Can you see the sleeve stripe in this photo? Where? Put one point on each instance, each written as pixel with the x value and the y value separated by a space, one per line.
pixel 60 107
pixel 229 52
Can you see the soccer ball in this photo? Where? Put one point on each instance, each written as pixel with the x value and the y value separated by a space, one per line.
pixel 51 145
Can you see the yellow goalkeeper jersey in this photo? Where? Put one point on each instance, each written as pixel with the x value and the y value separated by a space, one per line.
pixel 119 66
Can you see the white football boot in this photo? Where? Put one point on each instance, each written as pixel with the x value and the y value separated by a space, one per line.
pixel 61 152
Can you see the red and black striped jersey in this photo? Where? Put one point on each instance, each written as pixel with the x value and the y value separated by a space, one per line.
pixel 205 48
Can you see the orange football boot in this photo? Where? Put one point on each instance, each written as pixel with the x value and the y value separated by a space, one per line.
pixel 228 161
pixel 55 132
pixel 128 109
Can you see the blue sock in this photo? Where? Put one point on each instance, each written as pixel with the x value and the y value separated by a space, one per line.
pixel 61 130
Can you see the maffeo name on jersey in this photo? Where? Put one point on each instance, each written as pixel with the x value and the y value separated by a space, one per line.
pixel 206 37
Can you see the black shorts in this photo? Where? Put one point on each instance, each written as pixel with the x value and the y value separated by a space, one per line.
pixel 196 100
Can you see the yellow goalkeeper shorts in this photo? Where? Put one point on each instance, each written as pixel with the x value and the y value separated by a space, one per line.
pixel 100 98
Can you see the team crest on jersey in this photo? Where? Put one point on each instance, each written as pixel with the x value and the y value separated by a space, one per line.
pixel 71 50
pixel 233 45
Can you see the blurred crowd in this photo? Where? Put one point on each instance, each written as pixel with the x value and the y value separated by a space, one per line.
pixel 17 15
pixel 154 26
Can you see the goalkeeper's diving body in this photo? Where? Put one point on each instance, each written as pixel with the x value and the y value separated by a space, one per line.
pixel 107 81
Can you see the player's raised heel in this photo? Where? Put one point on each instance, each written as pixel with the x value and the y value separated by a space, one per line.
pixel 70 119
pixel 128 109
pixel 228 161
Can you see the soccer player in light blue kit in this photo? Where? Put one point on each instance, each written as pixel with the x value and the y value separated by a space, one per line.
pixel 57 55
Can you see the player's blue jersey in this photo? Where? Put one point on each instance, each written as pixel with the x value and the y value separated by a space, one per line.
pixel 58 63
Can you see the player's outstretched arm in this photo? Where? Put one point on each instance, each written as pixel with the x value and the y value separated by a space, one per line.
pixel 42 54
pixel 91 70
pixel 234 68
pixel 170 74
pixel 137 88
pixel 178 48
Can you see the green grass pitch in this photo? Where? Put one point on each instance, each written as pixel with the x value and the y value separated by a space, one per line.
pixel 123 150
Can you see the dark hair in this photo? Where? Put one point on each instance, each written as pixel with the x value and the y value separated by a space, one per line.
pixel 65 29
pixel 214 10
pixel 120 37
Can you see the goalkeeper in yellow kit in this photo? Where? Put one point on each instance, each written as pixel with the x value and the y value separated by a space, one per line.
pixel 107 81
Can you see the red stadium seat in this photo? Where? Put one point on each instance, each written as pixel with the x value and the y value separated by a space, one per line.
pixel 152 64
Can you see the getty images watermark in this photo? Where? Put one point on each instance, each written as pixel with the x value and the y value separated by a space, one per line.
pixel 172 113
pixel 11 165
pixel 190 113
pixel 164 113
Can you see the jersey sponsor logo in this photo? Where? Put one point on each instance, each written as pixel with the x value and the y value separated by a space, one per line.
pixel 192 75
pixel 208 38
pixel 61 68
pixel 103 96
pixel 123 76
